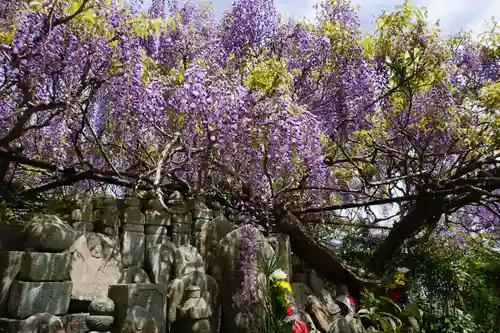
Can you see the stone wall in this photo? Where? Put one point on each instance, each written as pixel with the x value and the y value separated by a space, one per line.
pixel 135 266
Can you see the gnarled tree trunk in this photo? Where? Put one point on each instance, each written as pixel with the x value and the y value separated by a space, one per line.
pixel 319 257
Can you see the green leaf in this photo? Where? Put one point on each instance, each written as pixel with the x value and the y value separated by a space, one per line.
pixel 390 301
pixel 413 311
pixel 386 326
pixel 414 323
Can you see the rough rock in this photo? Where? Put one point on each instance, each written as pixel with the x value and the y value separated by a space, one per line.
pixel 160 262
pixel 187 260
pixel 340 325
pixel 48 233
pixel 134 275
pixel 322 318
pixel 42 322
pixel 102 306
pixel 300 293
pixel 139 320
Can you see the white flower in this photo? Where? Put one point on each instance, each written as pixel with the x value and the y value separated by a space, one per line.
pixel 278 275
pixel 403 270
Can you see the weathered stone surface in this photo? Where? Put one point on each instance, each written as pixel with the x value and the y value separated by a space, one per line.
pixel 160 262
pixel 283 250
pixel 178 291
pixel 195 313
pixel 156 215
pixel 210 234
pixel 10 325
pixel 29 298
pixel 107 211
pixel 181 239
pixel 195 307
pixel 86 210
pixel 139 320
pixel 152 229
pixel 187 260
pixel 75 322
pixel 300 293
pixel 152 297
pixel 41 322
pixel 102 306
pixel 131 212
pixel 318 287
pixel 81 228
pixel 231 247
pixel 10 263
pixel 306 318
pixel 96 266
pixel 134 275
pixel 99 322
pixel 133 227
pixel 182 229
pixel 156 235
pixel 202 212
pixel 48 233
pixel 45 266
pixel 339 325
pixel 322 318
pixel 176 203
pixel 133 248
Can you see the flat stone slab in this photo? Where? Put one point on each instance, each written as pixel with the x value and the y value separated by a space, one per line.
pixel 45 266
pixel 96 265
pixel 29 298
pixel 150 296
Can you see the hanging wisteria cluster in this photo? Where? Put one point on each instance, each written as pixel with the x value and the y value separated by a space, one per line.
pixel 301 111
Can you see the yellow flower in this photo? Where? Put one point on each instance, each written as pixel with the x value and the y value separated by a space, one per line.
pixel 284 285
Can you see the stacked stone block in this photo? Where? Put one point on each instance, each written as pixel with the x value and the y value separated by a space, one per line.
pixel 43 283
pixel 133 240
pixel 107 217
pixel 101 315
pixel 182 221
pixel 82 217
pixel 201 216
pixel 158 222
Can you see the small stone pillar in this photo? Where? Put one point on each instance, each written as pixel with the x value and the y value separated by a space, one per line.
pixel 182 222
pixel 82 217
pixel 195 314
pixel 108 217
pixel 201 216
pixel 132 236
pixel 101 316
pixel 157 225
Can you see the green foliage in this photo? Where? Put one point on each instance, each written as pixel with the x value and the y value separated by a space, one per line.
pixel 456 286
pixel 270 314
pixel 385 315
pixel 459 322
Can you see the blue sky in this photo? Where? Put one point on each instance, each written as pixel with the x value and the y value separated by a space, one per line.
pixel 453 14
